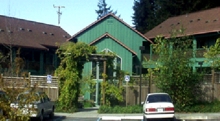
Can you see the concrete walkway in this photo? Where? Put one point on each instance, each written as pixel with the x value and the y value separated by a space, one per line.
pixel 92 112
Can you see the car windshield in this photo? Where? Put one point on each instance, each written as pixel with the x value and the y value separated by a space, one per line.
pixel 158 98
pixel 27 97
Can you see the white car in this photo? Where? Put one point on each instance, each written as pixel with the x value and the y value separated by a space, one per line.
pixel 158 106
pixel 34 104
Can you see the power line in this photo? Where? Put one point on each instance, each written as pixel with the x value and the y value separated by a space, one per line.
pixel 58 12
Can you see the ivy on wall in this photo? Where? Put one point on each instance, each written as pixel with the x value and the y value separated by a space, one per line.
pixel 73 56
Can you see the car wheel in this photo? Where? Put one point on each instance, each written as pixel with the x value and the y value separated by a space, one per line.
pixel 41 117
pixel 144 119
pixel 51 115
pixel 171 119
pixel 1 112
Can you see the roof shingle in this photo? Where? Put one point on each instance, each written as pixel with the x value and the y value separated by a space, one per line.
pixel 30 34
pixel 201 22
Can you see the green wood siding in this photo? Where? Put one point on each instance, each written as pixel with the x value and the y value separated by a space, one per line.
pixel 123 53
pixel 120 32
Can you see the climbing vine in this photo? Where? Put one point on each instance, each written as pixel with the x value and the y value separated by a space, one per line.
pixel 73 56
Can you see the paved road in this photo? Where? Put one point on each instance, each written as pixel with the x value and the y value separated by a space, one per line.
pixel 58 118
pixel 93 115
pixel 63 118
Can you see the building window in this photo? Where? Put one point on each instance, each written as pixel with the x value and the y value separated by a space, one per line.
pixel 110 70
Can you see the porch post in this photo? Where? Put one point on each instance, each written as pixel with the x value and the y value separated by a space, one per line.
pixel 103 82
pixel 151 51
pixel 97 84
pixel 41 63
pixel 194 53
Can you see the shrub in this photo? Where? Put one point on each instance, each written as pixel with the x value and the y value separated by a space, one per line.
pixel 120 109
pixel 88 103
pixel 203 107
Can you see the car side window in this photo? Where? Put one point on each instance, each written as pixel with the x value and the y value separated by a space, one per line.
pixel 46 98
pixel 41 99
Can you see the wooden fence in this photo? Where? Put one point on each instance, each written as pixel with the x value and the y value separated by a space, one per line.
pixel 210 86
pixel 48 84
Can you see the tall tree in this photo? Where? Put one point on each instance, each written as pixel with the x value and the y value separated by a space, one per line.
pixel 103 9
pixel 149 13
pixel 169 8
pixel 144 15
pixel 173 72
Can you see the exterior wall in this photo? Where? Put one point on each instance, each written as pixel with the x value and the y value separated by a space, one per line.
pixel 199 42
pixel 119 31
pixel 126 56
pixel 37 62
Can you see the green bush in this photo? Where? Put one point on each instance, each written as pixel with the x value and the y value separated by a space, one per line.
pixel 120 109
pixel 204 107
pixel 88 103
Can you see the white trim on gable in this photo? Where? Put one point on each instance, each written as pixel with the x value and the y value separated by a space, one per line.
pixel 108 50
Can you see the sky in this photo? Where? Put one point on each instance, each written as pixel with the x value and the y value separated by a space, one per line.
pixel 76 15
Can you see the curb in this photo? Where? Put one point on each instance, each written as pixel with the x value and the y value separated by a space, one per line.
pixel 194 116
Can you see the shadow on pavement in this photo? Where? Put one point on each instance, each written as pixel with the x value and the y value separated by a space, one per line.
pixel 87 109
pixel 56 118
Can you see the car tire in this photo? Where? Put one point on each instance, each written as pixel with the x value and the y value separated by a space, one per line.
pixel 144 119
pixel 41 117
pixel 51 115
pixel 172 119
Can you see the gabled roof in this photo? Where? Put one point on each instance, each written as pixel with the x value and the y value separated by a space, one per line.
pixel 30 34
pixel 202 22
pixel 103 18
pixel 108 35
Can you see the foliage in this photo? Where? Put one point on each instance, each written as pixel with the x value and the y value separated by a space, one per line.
pixel 201 107
pixel 113 86
pixel 73 57
pixel 103 9
pixel 10 96
pixel 150 13
pixel 120 109
pixel 114 89
pixel 212 54
pixel 88 103
pixel 16 68
pixel 173 72
pixel 19 63
pixel 143 17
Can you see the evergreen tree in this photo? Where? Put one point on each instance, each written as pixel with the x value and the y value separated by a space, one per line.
pixel 144 15
pixel 103 9
pixel 150 13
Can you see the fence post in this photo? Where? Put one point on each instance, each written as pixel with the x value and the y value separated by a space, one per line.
pixel 126 93
pixel 213 81
pixel 2 81
pixel 149 83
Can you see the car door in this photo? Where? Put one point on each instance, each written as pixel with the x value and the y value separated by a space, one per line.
pixel 49 104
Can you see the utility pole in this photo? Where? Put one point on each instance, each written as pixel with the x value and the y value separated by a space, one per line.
pixel 58 12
